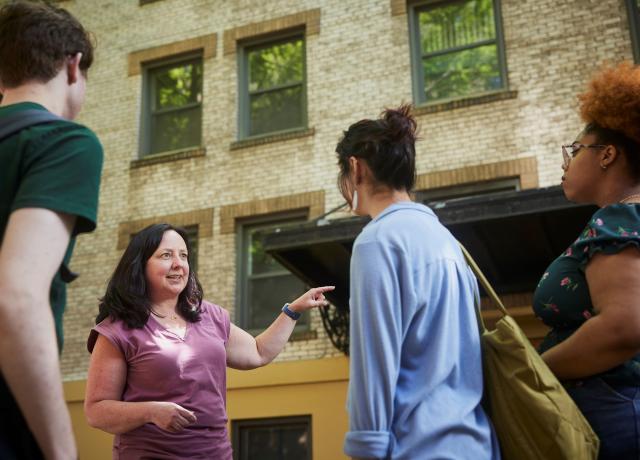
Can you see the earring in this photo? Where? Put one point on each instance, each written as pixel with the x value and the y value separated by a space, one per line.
pixel 354 200
pixel 603 167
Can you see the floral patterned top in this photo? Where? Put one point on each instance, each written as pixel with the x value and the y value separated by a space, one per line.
pixel 562 299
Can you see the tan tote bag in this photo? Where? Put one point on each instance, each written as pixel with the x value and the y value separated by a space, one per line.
pixel 533 415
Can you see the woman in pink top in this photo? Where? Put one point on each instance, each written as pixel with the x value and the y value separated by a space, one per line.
pixel 157 377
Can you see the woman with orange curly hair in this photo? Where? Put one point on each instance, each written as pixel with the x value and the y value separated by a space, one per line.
pixel 590 295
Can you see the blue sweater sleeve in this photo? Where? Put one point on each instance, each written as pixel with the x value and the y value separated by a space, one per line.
pixel 376 341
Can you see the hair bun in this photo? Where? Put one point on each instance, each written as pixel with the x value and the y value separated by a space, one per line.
pixel 400 124
pixel 612 99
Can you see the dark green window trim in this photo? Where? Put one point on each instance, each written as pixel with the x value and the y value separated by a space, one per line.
pixel 244 227
pixel 244 110
pixel 192 236
pixel 435 196
pixel 240 441
pixel 417 56
pixel 148 93
pixel 633 11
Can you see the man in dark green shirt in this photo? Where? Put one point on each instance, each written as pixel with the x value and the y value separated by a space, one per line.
pixel 49 183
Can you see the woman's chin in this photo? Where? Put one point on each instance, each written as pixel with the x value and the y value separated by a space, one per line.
pixel 573 196
pixel 173 290
pixel 566 190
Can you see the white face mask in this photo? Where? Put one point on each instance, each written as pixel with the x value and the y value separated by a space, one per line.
pixel 354 200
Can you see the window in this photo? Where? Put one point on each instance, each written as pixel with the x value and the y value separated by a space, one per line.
pixel 272 87
pixel 192 237
pixel 264 285
pixel 172 106
pixel 457 49
pixel 633 10
pixel 286 438
pixel 436 195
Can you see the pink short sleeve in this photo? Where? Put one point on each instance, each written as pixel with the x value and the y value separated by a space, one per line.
pixel 112 331
pixel 220 318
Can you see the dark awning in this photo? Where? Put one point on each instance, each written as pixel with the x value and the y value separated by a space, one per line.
pixel 513 236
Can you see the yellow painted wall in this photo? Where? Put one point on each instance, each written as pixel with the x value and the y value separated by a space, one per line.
pixel 312 387
pixel 92 444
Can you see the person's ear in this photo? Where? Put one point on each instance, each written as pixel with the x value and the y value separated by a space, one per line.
pixel 73 68
pixel 358 169
pixel 608 156
pixel 354 166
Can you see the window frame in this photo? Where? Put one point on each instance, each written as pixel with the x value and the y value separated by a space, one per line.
pixel 435 196
pixel 148 94
pixel 633 11
pixel 244 94
pixel 192 232
pixel 242 276
pixel 417 56
pixel 238 425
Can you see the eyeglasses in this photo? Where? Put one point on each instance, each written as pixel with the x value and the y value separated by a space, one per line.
pixel 571 150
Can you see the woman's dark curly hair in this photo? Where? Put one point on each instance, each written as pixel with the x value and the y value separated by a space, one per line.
pixel 127 298
pixel 611 108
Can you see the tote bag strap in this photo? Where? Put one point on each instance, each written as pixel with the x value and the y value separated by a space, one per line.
pixel 485 284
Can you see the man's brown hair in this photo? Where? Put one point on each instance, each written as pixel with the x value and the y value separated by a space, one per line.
pixel 35 40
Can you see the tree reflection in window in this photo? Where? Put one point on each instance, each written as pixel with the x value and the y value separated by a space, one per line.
pixel 176 106
pixel 275 87
pixel 459 50
pixel 265 285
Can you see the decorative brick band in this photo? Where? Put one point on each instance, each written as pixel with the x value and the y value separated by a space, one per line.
pixel 465 102
pixel 168 157
pixel 398 7
pixel 313 201
pixel 524 168
pixel 203 218
pixel 207 43
pixel 278 137
pixel 309 19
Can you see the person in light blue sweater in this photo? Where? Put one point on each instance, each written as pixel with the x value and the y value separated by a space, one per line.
pixel 416 369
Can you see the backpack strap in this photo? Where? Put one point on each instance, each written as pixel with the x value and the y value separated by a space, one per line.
pixel 13 123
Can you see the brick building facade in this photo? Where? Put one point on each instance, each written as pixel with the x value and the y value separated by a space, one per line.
pixel 359 57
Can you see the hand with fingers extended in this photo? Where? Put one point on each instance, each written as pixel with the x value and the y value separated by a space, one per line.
pixel 313 298
pixel 170 416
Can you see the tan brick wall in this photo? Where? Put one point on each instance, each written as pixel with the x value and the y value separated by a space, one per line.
pixel 357 63
pixel 309 19
pixel 206 43
pixel 398 7
pixel 311 202
pixel 203 218
pixel 524 169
